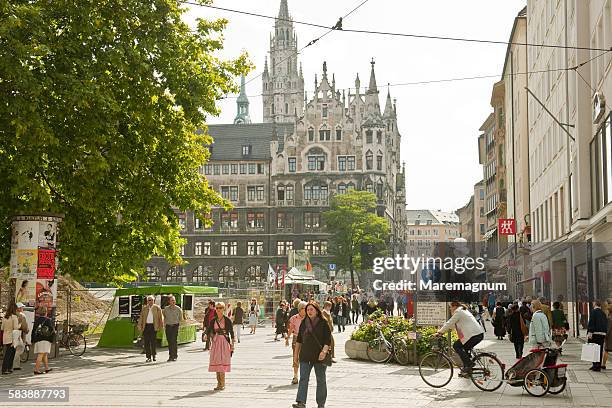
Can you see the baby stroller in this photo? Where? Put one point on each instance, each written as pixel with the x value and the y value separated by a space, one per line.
pixel 538 372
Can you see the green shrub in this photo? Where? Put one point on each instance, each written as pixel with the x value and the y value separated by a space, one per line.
pixel 368 331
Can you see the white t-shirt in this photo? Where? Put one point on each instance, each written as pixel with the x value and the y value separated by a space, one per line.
pixel 150 316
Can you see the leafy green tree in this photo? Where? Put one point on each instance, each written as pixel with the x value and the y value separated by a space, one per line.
pixel 353 222
pixel 101 102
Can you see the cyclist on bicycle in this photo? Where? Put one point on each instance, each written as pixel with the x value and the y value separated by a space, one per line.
pixel 470 333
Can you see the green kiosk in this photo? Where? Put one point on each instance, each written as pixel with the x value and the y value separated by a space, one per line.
pixel 121 329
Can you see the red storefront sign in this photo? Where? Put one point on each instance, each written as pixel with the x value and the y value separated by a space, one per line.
pixel 506 226
pixel 46 264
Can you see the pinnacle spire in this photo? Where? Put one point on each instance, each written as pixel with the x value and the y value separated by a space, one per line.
pixel 283 12
pixel 372 88
pixel 389 111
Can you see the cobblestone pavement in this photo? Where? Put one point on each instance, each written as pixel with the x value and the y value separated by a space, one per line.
pixel 261 374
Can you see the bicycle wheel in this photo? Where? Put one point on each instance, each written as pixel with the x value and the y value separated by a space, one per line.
pixel 378 351
pixel 488 372
pixel 536 383
pixel 436 369
pixel 559 388
pixel 76 344
pixel 400 352
pixel 25 355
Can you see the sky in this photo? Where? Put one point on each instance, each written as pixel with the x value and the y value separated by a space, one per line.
pixel 438 122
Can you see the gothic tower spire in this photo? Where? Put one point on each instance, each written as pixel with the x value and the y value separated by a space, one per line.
pixel 242 105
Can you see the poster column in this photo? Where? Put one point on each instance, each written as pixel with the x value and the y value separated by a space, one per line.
pixel 34 261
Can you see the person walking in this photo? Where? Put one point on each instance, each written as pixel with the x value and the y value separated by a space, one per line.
pixel 209 315
pixel 608 335
pixel 539 331
pixel 499 321
pixel 339 313
pixel 326 312
pixel 149 322
pixel 294 309
pixel 294 328
pixel 43 335
pixel 23 326
pixel 253 315
pixel 597 329
pixel 222 340
pixel 559 324
pixel 518 330
pixel 280 321
pixel 313 344
pixel 238 320
pixel 354 309
pixel 526 310
pixel 173 317
pixel 10 322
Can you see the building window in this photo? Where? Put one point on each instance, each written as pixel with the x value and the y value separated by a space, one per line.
pixel 182 250
pixel 229 193
pixel 176 274
pixel 225 168
pixel 379 137
pixel 255 193
pixel 324 110
pixel 369 160
pixel 341 188
pixel 233 247
pixel 310 134
pixel 197 250
pixel 229 220
pixel 216 169
pixel 315 192
pixel 206 248
pixel 312 220
pixel 198 223
pixel 338 134
pixel 601 166
pixel 252 168
pixel 227 273
pixel 243 168
pixel 292 164
pixel 369 187
pixel 255 248
pixel 379 163
pixel 350 163
pixel 285 192
pixel 182 223
pixel 202 274
pixel 316 162
pixel 284 220
pixel 283 247
pixel 317 247
pixel 208 169
pixel 341 163
pixel 255 220
pixel 254 274
pixel 368 136
pixel 324 134
pixel 260 168
pixel 234 169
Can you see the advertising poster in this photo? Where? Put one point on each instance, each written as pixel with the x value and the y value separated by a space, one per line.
pixel 26 234
pixel 47 232
pixel 23 265
pixel 26 292
pixel 46 264
pixel 46 293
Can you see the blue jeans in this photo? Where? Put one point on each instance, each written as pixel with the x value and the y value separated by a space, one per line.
pixel 305 369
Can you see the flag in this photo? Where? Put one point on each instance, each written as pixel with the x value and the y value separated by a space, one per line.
pixel 284 271
pixel 308 266
pixel 271 274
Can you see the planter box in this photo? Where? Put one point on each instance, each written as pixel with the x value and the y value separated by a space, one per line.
pixel 357 350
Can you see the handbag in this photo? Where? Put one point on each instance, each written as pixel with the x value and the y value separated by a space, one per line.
pixel 590 352
pixel 524 328
pixel 327 360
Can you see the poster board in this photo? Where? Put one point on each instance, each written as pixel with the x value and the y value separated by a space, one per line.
pixel 431 313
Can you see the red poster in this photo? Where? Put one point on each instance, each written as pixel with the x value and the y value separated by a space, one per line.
pixel 506 226
pixel 46 264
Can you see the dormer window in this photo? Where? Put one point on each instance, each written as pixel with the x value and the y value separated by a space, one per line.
pixel 247 150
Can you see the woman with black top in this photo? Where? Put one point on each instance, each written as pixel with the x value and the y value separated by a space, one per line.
pixel 499 321
pixel 221 335
pixel 518 330
pixel 43 335
pixel 313 344
pixel 280 321
pixel 238 320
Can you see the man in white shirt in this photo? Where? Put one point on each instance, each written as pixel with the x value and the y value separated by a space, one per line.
pixel 149 323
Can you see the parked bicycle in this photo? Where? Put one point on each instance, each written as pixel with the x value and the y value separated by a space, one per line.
pixel 382 350
pixel 436 367
pixel 72 339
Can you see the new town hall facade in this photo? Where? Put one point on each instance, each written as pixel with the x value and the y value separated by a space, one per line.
pixel 280 174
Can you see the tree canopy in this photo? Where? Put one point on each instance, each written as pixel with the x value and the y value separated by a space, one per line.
pixel 353 222
pixel 101 106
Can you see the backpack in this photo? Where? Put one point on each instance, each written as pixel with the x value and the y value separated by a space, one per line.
pixel 43 331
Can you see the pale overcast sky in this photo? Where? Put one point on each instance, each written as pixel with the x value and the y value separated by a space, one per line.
pixel 438 122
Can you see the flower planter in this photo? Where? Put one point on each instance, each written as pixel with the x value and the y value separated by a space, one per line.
pixel 357 350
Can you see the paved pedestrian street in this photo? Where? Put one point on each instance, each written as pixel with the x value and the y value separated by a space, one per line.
pixel 261 374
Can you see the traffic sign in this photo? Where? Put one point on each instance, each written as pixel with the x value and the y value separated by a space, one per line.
pixel 331 267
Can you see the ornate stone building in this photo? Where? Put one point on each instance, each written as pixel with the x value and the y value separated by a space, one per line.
pixel 280 174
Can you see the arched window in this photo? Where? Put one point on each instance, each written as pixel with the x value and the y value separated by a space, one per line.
pixel 152 274
pixel 338 133
pixel 316 159
pixel 227 274
pixel 369 160
pixel 379 161
pixel 341 188
pixel 176 274
pixel 350 186
pixel 311 134
pixel 202 274
pixel 254 274
pixel 324 133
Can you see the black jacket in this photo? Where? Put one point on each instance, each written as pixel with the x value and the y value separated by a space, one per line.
pixel 312 343
pixel 598 322
pixel 228 332
pixel 42 321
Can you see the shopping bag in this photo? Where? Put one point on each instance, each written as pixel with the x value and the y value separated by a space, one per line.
pixel 590 352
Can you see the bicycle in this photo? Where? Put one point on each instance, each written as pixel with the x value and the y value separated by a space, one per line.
pixel 73 339
pixel 436 367
pixel 381 350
